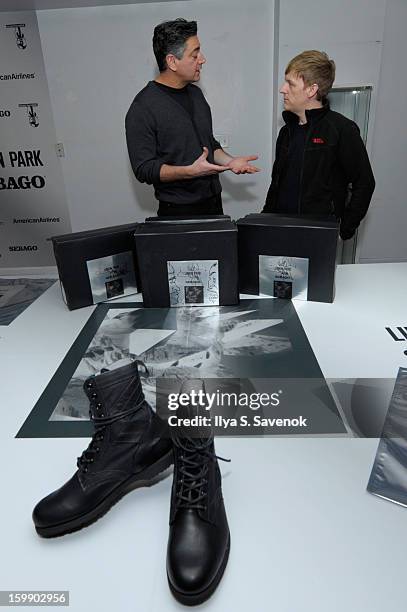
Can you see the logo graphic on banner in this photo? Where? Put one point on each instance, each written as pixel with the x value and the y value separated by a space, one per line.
pixel 32 115
pixel 20 38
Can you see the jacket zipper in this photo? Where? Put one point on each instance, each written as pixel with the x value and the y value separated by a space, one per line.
pixel 307 138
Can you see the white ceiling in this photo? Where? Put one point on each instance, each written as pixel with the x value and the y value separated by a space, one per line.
pixel 35 5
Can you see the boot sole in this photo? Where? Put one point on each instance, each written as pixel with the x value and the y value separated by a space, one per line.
pixel 198 598
pixel 148 477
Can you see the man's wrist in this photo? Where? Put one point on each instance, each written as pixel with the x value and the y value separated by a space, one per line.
pixel 189 173
pixel 170 173
pixel 222 158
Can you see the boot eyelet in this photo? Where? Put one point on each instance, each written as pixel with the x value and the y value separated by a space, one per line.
pixel 89 384
pixel 85 470
pixel 97 449
pixel 94 395
pixel 92 460
pixel 98 405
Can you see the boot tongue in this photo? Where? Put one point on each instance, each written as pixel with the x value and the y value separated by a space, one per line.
pixel 194 442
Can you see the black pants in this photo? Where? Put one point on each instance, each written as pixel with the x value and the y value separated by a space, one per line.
pixel 211 206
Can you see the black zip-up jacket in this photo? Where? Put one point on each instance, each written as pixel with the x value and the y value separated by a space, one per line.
pixel 160 131
pixel 335 160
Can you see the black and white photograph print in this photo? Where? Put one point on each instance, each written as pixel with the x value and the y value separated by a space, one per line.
pixel 16 294
pixel 260 342
pixel 204 342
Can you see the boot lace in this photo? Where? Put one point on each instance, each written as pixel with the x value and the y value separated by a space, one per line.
pixel 101 421
pixel 194 458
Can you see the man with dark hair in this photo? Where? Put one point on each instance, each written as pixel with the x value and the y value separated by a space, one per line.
pixel 169 129
pixel 319 153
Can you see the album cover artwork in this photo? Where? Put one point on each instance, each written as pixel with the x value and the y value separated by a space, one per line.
pixel 283 289
pixel 114 288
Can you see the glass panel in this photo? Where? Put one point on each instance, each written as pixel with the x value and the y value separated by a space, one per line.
pixel 354 103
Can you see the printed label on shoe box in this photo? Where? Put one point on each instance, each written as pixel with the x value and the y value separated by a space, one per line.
pixel 112 276
pixel 194 283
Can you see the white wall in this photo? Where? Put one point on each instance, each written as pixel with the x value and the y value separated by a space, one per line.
pixel 385 231
pixel 98 58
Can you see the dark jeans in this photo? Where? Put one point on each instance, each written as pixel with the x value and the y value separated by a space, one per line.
pixel 211 206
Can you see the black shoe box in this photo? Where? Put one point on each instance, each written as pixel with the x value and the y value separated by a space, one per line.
pixel 74 251
pixel 312 238
pixel 163 240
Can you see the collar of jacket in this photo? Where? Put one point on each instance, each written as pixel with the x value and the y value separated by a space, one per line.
pixel 312 115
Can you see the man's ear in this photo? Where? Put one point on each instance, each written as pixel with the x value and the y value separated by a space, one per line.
pixel 312 90
pixel 171 62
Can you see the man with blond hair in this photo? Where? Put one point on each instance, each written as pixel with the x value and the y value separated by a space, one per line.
pixel 321 165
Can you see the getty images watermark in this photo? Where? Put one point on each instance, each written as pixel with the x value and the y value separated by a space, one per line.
pixel 222 399
pixel 229 407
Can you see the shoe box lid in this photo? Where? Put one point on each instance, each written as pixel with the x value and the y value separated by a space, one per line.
pixel 128 228
pixel 287 221
pixel 173 220
pixel 185 226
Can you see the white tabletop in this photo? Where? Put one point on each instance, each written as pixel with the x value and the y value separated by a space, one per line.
pixel 306 536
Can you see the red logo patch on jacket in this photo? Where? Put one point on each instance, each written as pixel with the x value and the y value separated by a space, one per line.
pixel 318 141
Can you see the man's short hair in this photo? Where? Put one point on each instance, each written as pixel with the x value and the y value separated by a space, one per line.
pixel 314 67
pixel 171 37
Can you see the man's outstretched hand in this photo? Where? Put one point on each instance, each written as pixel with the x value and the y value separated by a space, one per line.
pixel 241 165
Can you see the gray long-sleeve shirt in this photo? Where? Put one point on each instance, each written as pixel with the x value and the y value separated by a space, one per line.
pixel 160 131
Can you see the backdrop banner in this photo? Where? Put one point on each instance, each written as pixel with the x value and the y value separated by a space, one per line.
pixel 33 203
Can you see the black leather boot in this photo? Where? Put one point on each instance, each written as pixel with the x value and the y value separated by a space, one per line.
pixel 130 448
pixel 199 539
